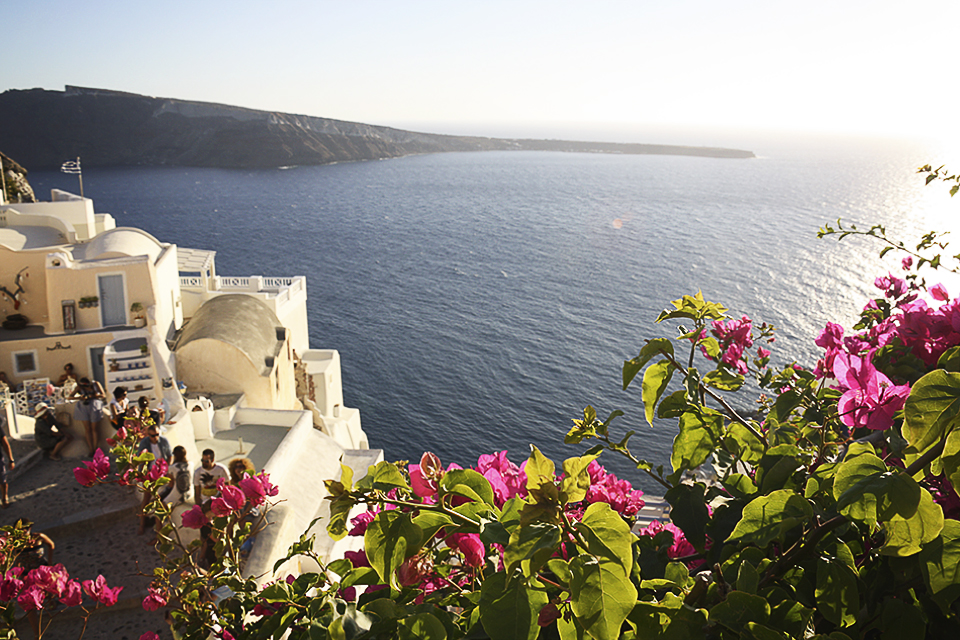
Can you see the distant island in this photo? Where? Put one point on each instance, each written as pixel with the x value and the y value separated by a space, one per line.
pixel 106 128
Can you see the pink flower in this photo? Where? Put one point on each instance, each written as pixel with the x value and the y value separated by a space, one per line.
pixel 425 476
pixel 194 518
pixel 99 591
pixel 735 337
pixel 158 469
pixel 939 292
pixel 548 615
pixel 72 596
pixel 100 464
pixel 907 263
pixel 892 286
pixel 31 598
pixel 680 548
pixel 10 585
pixel 51 579
pixel 257 488
pixel 619 494
pixel 357 558
pixel 95 470
pixel 470 546
pixel 231 499
pixel 149 635
pixel 154 600
pixel 507 479
pixel 361 522
pixel 763 353
pixel 831 337
pixel 870 399
pixel 85 476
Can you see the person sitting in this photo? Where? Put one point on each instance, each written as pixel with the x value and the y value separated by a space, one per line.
pixel 157 416
pixel 68 374
pixel 118 407
pixel 131 419
pixel 50 435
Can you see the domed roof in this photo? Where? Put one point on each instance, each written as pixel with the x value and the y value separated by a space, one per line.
pixel 123 241
pixel 241 321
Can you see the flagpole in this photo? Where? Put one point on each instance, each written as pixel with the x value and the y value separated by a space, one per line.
pixel 80 175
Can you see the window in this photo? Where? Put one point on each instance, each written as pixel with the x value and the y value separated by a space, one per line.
pixel 25 362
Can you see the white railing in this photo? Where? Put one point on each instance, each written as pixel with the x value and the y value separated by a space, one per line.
pixel 283 288
pixel 233 283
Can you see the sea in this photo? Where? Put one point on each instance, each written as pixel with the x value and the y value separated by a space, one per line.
pixel 480 301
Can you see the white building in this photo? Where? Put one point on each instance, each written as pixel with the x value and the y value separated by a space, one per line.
pixel 128 309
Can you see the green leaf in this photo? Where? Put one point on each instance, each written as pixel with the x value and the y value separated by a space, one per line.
pixel 601 596
pixel 791 617
pixel 576 480
pixel 723 379
pixel 653 348
pixel 469 484
pixel 741 442
pixel 866 491
pixel 526 541
pixel 740 608
pixel 900 619
pixel 689 512
pixel 711 346
pixel 950 360
pixel 390 539
pixel 387 476
pixel 340 508
pixel 421 626
pixel 539 469
pixel 769 517
pixel 906 535
pixel 508 609
pixel 838 599
pixel 655 380
pixel 430 522
pixel 932 408
pixel 940 563
pixel 608 535
pixel 674 405
pixel 950 458
pixel 697 439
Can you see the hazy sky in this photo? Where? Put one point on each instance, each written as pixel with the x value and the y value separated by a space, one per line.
pixel 506 68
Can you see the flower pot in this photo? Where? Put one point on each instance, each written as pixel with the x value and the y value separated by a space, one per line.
pixel 139 322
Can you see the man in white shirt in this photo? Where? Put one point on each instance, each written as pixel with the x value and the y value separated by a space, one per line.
pixel 206 476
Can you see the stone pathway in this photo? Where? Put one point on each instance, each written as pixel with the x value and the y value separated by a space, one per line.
pixel 95 532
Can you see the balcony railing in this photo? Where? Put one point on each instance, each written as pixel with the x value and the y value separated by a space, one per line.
pixel 281 287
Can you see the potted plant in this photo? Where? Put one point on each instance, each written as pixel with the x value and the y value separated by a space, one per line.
pixel 143 349
pixel 89 301
pixel 138 319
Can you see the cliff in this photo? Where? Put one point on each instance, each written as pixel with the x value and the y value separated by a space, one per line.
pixel 44 128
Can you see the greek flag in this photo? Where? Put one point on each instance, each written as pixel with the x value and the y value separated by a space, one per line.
pixel 71 166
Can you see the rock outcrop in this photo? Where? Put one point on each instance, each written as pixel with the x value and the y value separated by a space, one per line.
pixel 15 181
pixel 110 128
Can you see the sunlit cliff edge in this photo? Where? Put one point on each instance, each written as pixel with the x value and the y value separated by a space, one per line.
pixel 43 128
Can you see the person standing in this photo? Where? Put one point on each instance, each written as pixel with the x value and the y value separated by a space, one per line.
pixel 89 409
pixel 160 448
pixel 4 449
pixel 118 407
pixel 206 476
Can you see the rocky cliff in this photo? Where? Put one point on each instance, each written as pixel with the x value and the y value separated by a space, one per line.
pixel 44 128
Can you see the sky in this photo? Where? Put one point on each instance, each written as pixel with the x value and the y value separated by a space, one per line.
pixel 622 71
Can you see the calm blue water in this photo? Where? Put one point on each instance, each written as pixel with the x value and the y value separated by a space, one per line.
pixel 480 301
